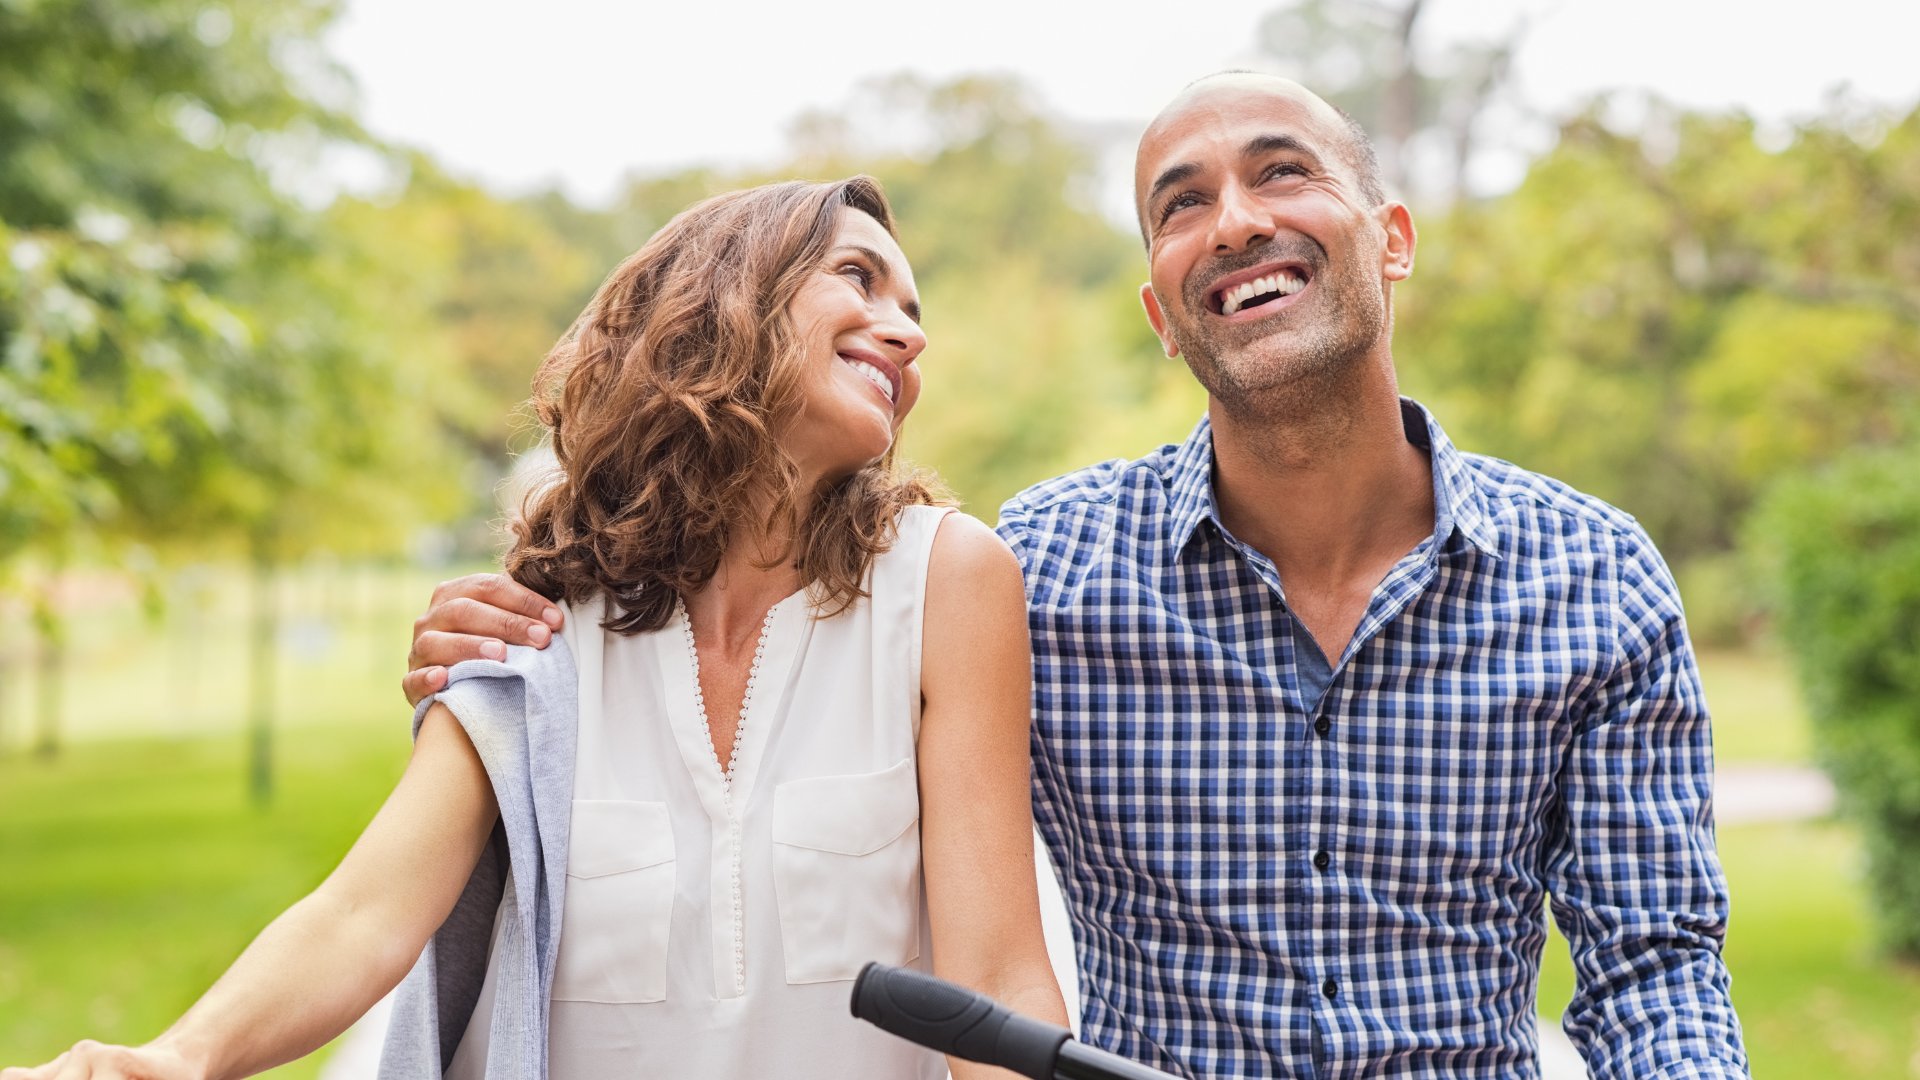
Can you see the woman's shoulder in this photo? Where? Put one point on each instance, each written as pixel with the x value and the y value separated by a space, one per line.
pixel 526 673
pixel 967 550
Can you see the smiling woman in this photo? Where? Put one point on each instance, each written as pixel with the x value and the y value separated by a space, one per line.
pixel 781 730
pixel 694 413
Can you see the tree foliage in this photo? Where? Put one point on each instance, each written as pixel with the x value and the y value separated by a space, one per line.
pixel 1677 317
pixel 1845 546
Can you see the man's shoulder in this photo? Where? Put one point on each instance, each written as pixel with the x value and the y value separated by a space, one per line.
pixel 1098 488
pixel 1517 497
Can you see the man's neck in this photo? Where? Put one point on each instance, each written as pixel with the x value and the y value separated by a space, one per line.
pixel 1328 488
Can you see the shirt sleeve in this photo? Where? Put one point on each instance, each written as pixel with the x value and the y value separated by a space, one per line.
pixel 1635 878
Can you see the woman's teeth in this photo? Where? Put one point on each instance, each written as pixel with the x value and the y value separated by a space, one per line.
pixel 1281 282
pixel 873 375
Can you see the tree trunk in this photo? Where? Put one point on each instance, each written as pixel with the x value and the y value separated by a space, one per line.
pixel 1401 108
pixel 50 628
pixel 262 668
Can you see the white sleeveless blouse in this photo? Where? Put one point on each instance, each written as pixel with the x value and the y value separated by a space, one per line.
pixel 712 929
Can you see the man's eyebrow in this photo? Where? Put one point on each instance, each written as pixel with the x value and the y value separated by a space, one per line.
pixel 1267 144
pixel 884 270
pixel 1169 178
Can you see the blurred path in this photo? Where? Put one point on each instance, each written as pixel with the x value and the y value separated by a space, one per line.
pixel 1743 795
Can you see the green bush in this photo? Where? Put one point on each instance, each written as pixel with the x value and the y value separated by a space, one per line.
pixel 1845 551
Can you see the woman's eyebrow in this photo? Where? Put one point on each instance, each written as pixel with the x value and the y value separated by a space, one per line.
pixel 884 270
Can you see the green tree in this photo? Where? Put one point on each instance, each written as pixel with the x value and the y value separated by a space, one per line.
pixel 1674 317
pixel 187 355
pixel 1845 544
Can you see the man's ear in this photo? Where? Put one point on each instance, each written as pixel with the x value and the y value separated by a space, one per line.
pixel 1396 262
pixel 1157 319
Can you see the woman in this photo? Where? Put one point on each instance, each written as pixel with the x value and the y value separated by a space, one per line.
pixel 794 691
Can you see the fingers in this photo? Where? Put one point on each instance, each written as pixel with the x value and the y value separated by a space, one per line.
pixel 472 618
pixel 499 591
pixel 417 684
pixel 468 620
pixel 88 1060
pixel 435 651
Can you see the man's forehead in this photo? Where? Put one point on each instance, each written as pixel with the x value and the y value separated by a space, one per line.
pixel 1221 103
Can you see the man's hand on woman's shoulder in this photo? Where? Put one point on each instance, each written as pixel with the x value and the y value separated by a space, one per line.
pixel 474 618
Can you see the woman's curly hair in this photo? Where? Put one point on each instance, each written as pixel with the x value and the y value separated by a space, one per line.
pixel 664 402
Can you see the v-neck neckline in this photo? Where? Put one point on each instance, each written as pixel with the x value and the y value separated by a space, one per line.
pixel 725 788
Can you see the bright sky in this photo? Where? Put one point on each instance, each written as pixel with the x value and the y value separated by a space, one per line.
pixel 581 93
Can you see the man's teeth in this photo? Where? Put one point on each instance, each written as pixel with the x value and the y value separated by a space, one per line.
pixel 1281 282
pixel 873 375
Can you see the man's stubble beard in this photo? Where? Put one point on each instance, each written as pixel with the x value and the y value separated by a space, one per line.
pixel 1291 371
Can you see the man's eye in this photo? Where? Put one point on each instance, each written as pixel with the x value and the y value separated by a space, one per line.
pixel 1285 168
pixel 1178 202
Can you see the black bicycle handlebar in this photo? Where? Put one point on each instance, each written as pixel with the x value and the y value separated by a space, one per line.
pixel 940 1016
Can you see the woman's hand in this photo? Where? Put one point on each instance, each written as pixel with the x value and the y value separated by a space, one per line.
pixel 89 1060
pixel 474 618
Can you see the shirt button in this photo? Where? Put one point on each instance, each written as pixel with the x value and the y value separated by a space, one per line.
pixel 1322 860
pixel 1331 989
pixel 1322 726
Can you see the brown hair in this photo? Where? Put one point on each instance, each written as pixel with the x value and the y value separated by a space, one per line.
pixel 664 400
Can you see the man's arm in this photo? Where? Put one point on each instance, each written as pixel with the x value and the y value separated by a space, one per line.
pixel 474 618
pixel 1635 878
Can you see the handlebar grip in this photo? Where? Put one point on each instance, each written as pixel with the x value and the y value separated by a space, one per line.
pixel 954 1020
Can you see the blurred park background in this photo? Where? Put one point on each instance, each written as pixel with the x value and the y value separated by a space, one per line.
pixel 261 362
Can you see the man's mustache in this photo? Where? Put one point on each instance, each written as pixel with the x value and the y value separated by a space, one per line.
pixel 1300 249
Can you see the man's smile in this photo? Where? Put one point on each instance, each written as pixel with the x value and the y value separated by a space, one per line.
pixel 1257 291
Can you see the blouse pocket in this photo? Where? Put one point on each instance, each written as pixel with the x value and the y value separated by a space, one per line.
pixel 846 870
pixel 619 904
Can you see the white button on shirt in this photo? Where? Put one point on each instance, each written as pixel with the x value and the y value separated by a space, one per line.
pixel 712 927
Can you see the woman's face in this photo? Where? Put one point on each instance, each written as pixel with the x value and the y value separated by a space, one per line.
pixel 858 319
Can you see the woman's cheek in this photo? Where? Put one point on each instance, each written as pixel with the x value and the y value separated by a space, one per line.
pixel 909 393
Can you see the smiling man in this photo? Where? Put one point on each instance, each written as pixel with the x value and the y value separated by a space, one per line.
pixel 1325 710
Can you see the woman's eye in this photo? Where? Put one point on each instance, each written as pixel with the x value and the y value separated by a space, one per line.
pixel 861 274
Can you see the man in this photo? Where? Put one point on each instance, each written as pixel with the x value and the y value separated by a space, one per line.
pixel 1325 710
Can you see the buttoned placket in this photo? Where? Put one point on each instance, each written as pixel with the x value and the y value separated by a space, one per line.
pixel 1321 788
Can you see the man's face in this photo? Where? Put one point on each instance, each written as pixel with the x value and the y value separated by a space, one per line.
pixel 1268 264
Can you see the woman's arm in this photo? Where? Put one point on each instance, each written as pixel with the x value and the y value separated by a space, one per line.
pixel 314 970
pixel 976 813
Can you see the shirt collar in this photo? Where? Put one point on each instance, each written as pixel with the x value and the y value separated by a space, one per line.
pixel 1458 505
pixel 1190 485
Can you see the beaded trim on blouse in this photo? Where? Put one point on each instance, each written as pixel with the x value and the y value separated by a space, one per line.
pixel 746 699
pixel 726 773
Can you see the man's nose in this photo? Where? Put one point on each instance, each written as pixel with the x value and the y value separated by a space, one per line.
pixel 1240 220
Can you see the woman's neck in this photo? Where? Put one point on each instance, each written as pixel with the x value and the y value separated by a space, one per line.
pixel 732 605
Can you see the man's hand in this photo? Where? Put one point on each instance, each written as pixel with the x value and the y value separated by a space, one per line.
pixel 473 618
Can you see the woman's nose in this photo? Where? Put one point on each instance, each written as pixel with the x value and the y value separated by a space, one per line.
pixel 903 338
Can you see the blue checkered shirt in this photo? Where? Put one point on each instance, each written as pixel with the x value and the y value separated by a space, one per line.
pixel 1278 866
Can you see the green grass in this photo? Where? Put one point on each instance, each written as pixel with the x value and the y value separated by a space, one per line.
pixel 1757 714
pixel 136 870
pixel 133 867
